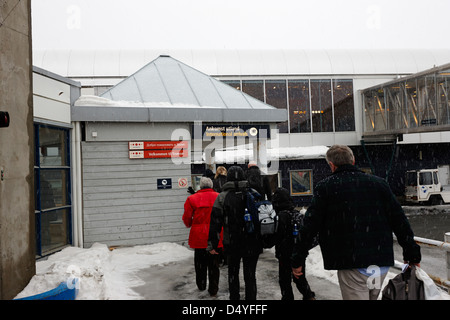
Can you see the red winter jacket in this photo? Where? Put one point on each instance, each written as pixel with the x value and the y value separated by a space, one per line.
pixel 197 215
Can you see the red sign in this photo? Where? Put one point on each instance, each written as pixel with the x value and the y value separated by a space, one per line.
pixel 157 149
pixel 157 145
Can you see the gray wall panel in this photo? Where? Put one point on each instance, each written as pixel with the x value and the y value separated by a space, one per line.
pixel 121 202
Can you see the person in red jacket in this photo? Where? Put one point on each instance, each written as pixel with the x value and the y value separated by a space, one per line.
pixel 197 215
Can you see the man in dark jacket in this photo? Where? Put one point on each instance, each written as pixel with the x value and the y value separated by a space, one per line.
pixel 228 212
pixel 355 215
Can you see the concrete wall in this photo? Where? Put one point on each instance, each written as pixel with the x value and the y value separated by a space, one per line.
pixel 17 231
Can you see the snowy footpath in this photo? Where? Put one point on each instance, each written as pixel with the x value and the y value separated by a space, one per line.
pixel 163 271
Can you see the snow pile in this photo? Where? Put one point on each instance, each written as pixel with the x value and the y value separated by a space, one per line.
pixel 102 274
pixel 96 101
pixel 245 153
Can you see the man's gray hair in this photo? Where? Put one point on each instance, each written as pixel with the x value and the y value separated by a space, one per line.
pixel 340 155
pixel 205 182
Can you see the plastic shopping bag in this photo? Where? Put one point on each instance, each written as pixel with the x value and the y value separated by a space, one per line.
pixel 432 292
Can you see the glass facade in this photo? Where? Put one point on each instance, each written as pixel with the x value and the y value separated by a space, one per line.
pixel 314 105
pixel 344 110
pixel 52 188
pixel 321 106
pixel 254 88
pixel 420 101
pixel 276 95
pixel 299 111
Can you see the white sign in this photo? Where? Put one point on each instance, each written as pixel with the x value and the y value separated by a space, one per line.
pixel 136 154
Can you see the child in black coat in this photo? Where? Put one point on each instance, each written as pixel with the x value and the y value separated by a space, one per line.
pixel 289 221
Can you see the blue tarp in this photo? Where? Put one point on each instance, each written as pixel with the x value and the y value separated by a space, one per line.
pixel 61 292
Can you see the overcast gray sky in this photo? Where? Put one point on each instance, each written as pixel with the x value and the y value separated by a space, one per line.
pixel 240 24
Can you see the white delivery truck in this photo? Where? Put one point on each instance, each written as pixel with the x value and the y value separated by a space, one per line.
pixel 429 186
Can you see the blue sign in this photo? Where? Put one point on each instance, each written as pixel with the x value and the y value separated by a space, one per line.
pixel 165 183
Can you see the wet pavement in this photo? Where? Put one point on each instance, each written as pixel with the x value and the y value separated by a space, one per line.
pixel 176 281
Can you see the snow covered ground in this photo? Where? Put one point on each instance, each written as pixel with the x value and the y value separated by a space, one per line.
pixel 163 271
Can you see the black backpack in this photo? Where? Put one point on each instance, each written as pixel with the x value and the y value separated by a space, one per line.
pixel 260 217
pixel 295 223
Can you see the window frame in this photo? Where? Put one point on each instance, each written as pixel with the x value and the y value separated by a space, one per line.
pixel 65 186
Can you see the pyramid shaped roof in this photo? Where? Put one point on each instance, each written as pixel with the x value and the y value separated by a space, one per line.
pixel 166 85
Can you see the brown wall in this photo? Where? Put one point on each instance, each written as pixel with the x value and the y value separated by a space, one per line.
pixel 17 229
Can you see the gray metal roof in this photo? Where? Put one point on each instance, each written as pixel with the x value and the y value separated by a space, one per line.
pixel 167 90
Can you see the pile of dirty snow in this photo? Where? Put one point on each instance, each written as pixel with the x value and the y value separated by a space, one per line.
pixel 102 274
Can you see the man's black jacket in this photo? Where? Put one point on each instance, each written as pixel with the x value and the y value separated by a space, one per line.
pixel 355 214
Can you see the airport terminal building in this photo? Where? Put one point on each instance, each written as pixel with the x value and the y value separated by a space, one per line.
pixel 122 187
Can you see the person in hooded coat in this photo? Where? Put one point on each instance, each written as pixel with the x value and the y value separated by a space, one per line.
pixel 228 212
pixel 288 216
pixel 197 215
pixel 258 181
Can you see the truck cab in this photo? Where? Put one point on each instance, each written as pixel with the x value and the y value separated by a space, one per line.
pixel 424 186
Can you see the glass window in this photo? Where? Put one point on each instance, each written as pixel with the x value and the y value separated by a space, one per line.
pixel 321 108
pixel 233 83
pixel 344 110
pixel 428 101
pixel 425 178
pixel 254 88
pixel 403 111
pixel 443 84
pixel 369 111
pixel 421 101
pixel 299 110
pixel 393 98
pixel 412 110
pixel 54 229
pixel 435 178
pixel 380 110
pixel 52 146
pixel 52 188
pixel 301 182
pixel 276 96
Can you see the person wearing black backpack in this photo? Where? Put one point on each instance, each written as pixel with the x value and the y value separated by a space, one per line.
pixel 289 220
pixel 239 244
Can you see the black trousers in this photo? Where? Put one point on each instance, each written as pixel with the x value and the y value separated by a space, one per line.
pixel 286 278
pixel 249 264
pixel 207 264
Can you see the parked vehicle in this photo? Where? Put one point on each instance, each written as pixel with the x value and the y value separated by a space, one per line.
pixel 430 186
